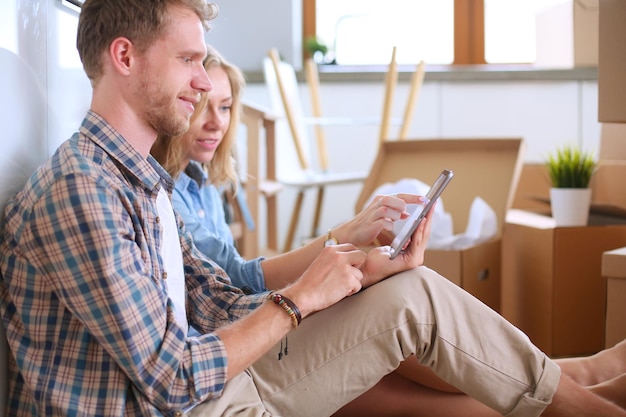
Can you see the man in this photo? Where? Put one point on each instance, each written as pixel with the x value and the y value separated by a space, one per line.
pixel 100 282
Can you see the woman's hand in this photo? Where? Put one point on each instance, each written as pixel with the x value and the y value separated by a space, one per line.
pixel 376 219
pixel 378 264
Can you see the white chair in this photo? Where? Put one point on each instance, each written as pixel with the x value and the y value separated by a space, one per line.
pixel 298 167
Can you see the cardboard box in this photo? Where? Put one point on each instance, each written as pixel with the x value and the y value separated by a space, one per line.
pixel 608 193
pixel 611 62
pixel 533 189
pixel 567 34
pixel 607 182
pixel 552 284
pixel 613 141
pixel 487 168
pixel 614 270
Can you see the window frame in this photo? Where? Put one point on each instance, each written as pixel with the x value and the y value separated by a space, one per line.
pixel 469 29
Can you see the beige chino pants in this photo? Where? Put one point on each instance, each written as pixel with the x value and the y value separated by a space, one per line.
pixel 339 353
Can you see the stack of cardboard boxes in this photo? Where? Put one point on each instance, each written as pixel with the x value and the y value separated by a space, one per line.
pixel 612 109
pixel 566 287
pixel 554 284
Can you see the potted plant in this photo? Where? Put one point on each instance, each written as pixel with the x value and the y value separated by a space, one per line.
pixel 316 48
pixel 570 170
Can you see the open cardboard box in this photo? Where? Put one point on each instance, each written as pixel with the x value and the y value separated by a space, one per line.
pixel 486 168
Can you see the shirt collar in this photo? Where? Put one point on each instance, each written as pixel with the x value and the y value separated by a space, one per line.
pixel 195 171
pixel 146 171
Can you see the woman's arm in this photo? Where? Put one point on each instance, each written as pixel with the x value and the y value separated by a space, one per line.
pixel 361 230
pixel 211 236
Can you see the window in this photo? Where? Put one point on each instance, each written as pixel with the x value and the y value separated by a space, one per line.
pixel 365 31
pixel 362 32
pixel 72 4
pixel 510 33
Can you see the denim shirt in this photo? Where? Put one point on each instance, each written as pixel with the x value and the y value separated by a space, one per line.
pixel 199 204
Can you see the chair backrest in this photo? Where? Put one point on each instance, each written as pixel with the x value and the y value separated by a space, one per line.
pixel 313 81
pixel 391 80
pixel 284 92
pixel 417 79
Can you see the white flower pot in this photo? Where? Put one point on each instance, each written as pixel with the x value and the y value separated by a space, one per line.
pixel 570 206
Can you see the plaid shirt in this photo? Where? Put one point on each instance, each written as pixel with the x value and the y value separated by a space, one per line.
pixel 84 297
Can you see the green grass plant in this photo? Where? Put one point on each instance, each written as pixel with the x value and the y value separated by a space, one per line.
pixel 570 167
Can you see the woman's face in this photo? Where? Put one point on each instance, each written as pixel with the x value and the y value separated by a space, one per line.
pixel 207 131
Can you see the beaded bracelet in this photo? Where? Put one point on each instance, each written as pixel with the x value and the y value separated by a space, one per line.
pixel 289 306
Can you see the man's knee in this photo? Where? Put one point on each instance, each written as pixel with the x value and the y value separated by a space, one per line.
pixel 412 291
pixel 407 285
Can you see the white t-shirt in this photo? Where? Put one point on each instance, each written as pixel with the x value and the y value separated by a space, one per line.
pixel 172 258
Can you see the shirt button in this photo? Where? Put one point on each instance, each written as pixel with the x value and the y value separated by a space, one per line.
pixel 178 413
pixel 158 219
pixel 201 213
pixel 164 274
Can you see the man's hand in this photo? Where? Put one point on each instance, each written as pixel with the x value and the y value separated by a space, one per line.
pixel 333 275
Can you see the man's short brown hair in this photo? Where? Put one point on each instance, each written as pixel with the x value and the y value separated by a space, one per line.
pixel 141 21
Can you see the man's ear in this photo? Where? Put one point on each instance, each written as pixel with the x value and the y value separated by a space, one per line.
pixel 121 56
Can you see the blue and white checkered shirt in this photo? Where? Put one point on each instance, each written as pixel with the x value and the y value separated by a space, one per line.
pixel 84 296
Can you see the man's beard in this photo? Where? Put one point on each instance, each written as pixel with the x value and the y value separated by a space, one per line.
pixel 163 114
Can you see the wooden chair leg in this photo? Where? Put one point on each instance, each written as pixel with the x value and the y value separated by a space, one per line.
pixel 318 212
pixel 272 223
pixel 295 217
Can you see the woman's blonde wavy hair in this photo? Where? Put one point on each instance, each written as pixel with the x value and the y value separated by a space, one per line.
pixel 222 171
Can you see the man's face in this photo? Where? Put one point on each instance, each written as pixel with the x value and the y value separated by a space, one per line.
pixel 171 75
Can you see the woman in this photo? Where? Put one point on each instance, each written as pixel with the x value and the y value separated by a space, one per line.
pixel 202 159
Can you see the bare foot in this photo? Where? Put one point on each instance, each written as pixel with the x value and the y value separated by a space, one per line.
pixel 613 390
pixel 571 399
pixel 593 370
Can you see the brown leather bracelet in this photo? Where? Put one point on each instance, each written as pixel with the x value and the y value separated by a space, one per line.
pixel 289 306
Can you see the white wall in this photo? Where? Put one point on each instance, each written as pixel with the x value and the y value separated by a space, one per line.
pixel 37 41
pixel 43 95
pixel 247 29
